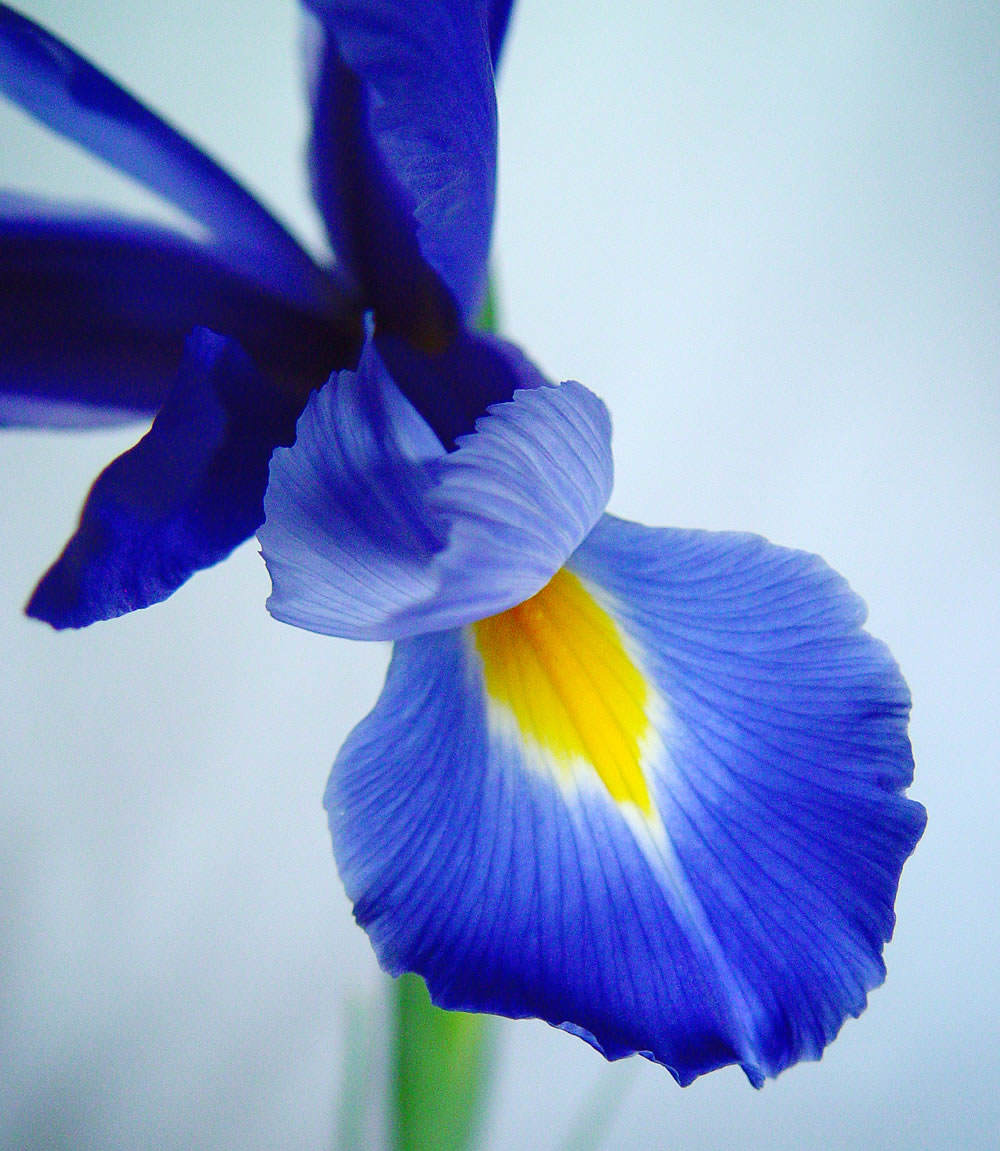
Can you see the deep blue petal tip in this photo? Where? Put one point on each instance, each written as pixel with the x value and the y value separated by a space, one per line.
pixel 181 499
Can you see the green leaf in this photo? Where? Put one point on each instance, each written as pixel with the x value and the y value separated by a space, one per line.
pixel 355 1088
pixel 594 1120
pixel 441 1062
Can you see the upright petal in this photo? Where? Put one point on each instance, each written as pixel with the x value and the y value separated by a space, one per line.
pixel 373 532
pixel 658 804
pixel 181 499
pixel 404 155
pixel 498 22
pixel 73 97
pixel 95 313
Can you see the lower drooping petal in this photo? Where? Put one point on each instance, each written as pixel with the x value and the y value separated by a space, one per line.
pixel 659 804
pixel 96 310
pixel 374 532
pixel 181 499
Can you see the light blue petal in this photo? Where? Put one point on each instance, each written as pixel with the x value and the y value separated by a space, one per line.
pixel 404 154
pixel 789 754
pixel 71 96
pixel 373 532
pixel 743 919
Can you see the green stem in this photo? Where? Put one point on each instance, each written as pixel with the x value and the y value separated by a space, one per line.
pixel 441 1063
pixel 489 317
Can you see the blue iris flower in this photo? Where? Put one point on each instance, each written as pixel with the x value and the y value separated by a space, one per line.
pixel 645 784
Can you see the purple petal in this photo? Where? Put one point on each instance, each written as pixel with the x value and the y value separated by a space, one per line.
pixel 498 20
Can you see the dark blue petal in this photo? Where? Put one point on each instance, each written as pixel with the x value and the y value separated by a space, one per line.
pixel 373 532
pixel 181 499
pixel 732 906
pixel 404 155
pixel 452 387
pixel 68 94
pixel 498 21
pixel 95 313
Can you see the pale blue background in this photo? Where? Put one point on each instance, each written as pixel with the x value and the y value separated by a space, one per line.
pixel 768 235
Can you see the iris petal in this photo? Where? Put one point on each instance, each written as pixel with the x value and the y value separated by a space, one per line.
pixel 373 532
pixel 181 499
pixel 734 913
pixel 70 95
pixel 498 22
pixel 453 387
pixel 95 313
pixel 404 155
pixel 789 755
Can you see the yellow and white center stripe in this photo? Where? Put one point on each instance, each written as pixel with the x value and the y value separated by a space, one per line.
pixel 558 667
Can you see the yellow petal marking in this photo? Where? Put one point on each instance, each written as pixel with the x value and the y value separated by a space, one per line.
pixel 558 665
